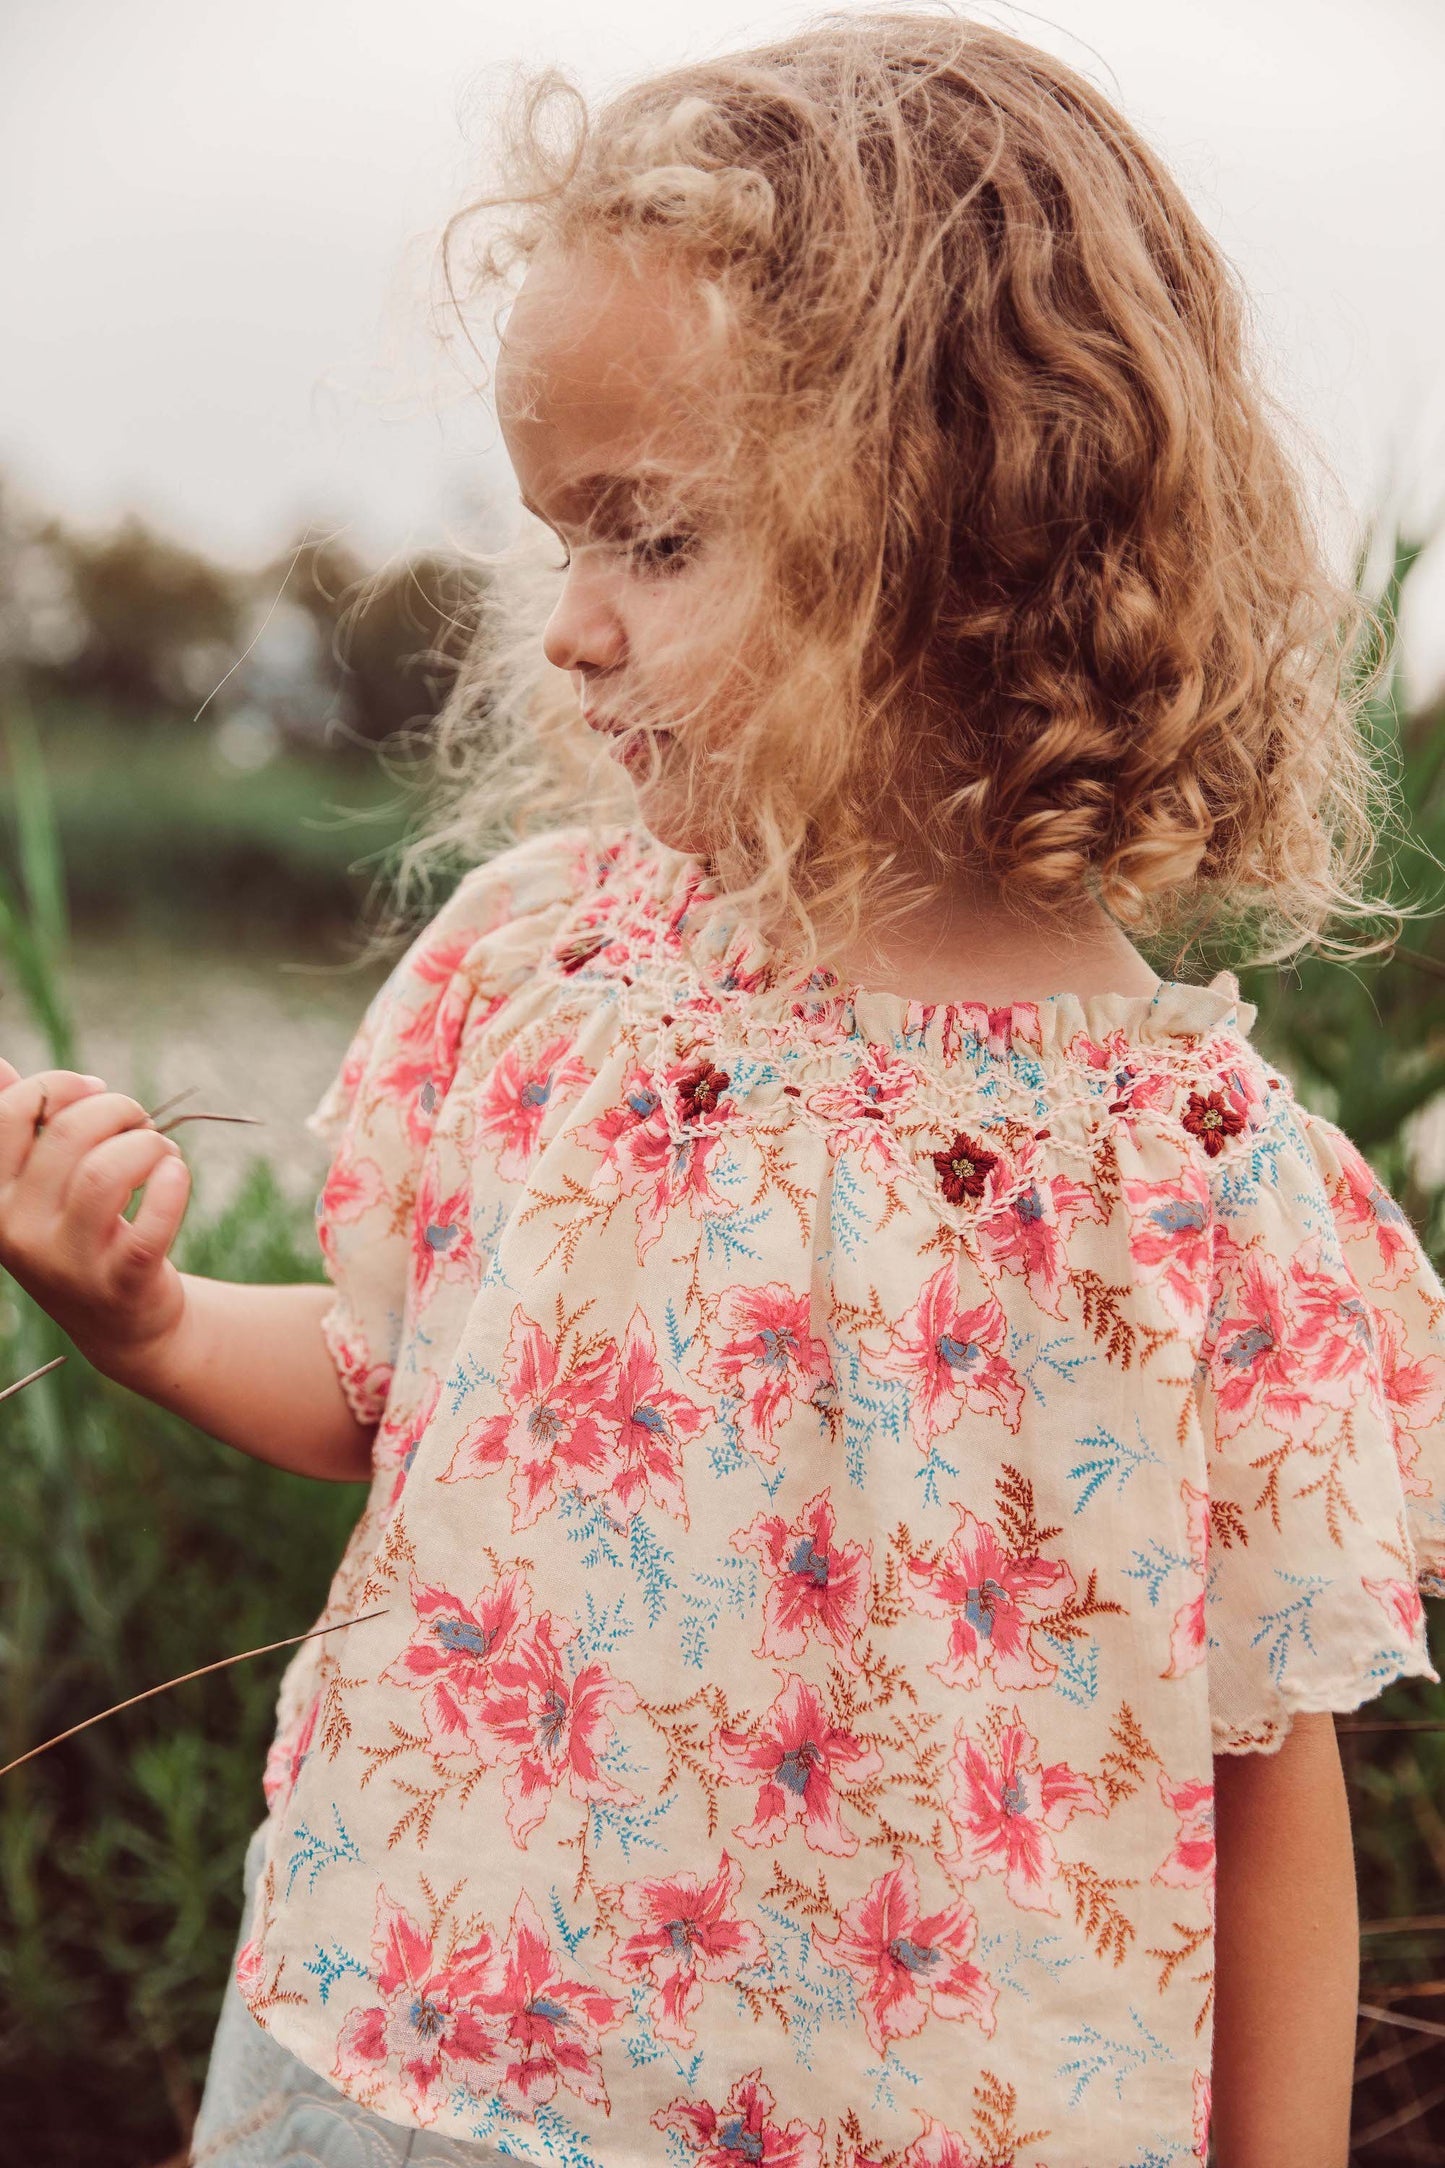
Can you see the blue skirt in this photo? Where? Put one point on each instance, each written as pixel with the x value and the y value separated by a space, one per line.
pixel 263 2109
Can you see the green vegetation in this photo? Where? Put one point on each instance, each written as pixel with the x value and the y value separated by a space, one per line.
pixel 135 1550
pixel 159 833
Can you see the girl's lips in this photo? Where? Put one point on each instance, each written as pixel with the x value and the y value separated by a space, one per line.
pixel 631 745
pixel 630 739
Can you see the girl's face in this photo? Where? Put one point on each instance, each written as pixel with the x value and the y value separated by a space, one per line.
pixel 602 398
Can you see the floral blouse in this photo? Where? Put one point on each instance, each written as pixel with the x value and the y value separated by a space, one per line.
pixel 844 1466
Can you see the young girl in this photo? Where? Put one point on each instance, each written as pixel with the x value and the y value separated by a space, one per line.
pixel 882 1413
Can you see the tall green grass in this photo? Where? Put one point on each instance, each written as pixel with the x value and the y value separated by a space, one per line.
pixel 134 1549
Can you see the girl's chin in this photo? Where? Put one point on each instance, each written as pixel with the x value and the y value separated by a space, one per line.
pixel 671 824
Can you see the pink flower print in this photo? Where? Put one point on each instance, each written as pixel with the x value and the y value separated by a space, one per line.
pixel 986 1595
pixel 549 1427
pixel 426 1041
pixel 743 2132
pixel 802 1760
pixel 1362 1206
pixel 650 1422
pixel 613 1131
pixel 1414 1387
pixel 1002 1811
pixel 999 1028
pixel 412 1085
pixel 1030 1233
pixel 397 1439
pixel 1187 1637
pixel 515 1098
pixel 940 2147
pixel 687 1931
pixel 816 1588
pixel 859 1111
pixel 365 1384
pixel 441 1235
pixel 1333 1333
pixel 908 1963
pixel 1110 1052
pixel 546 2026
pixel 1249 1347
pixel 450 1659
pixel 287 1752
pixel 1191 1862
pixel 769 1360
pixel 551 1728
pixel 430 2028
pixel 951 1357
pixel 641 1155
pixel 1170 1240
pixel 1400 1602
pixel 351 1189
pixel 248 1970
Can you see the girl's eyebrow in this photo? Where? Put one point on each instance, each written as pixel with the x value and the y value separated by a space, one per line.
pixel 617 490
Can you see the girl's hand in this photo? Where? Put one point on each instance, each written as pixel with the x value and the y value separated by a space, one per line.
pixel 71 1156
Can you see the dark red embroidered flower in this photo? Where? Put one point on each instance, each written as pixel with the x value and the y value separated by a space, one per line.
pixel 575 953
pixel 700 1090
pixel 963 1168
pixel 1209 1119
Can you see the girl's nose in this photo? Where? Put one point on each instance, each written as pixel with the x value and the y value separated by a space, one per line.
pixel 583 632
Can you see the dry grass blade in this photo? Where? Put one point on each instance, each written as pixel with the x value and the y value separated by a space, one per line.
pixel 174 1101
pixel 200 1673
pixel 164 1128
pixel 1399 1723
pixel 30 1376
pixel 1406 2049
pixel 1400 2120
pixel 1408 2024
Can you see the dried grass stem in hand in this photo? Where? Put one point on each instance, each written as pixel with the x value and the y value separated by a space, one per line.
pixel 164 1128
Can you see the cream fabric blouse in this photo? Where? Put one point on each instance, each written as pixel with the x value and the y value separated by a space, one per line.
pixel 844 1467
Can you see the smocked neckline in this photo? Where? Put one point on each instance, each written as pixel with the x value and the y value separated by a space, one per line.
pixel 735 962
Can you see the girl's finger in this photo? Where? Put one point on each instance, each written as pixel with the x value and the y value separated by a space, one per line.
pixel 31 1099
pixel 102 1182
pixel 145 1241
pixel 8 1075
pixel 67 1137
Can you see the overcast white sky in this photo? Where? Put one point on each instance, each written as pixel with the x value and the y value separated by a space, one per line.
pixel 216 224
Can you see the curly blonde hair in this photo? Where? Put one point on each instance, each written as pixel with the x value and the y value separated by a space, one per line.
pixel 1032 568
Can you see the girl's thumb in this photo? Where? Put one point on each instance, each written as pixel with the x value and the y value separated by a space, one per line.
pixel 162 1206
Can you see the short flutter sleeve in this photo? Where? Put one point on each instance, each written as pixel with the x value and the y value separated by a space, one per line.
pixel 378 1113
pixel 1321 1390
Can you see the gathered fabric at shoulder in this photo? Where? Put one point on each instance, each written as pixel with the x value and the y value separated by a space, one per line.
pixel 379 1111
pixel 1321 1388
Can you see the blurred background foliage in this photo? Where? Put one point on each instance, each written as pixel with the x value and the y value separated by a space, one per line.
pixel 152 780
pixel 197 718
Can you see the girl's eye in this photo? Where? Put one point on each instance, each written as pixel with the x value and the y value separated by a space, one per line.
pixel 665 552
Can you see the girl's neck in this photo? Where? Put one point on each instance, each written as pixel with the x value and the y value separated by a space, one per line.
pixel 971 948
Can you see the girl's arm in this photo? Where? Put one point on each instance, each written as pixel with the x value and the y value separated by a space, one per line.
pixel 247 1364
pixel 1287 1955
